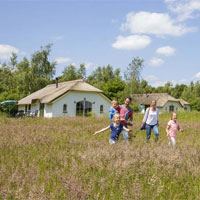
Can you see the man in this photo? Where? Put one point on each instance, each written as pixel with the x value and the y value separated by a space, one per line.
pixel 126 116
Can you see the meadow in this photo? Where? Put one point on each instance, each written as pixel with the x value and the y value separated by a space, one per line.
pixel 60 159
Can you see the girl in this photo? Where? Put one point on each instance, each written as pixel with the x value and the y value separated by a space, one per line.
pixel 171 129
pixel 150 121
pixel 113 109
pixel 116 129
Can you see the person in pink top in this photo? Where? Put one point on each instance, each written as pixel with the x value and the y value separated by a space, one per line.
pixel 172 128
pixel 126 117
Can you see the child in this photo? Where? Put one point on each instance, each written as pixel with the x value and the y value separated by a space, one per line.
pixel 113 109
pixel 116 129
pixel 171 129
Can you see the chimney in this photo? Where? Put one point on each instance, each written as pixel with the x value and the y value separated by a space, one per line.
pixel 56 82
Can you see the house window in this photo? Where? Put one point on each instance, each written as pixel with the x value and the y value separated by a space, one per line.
pixel 166 108
pixel 83 108
pixel 29 107
pixel 65 108
pixel 25 108
pixel 185 108
pixel 171 108
pixel 101 108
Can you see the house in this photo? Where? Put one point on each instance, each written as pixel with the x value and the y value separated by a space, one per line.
pixel 62 99
pixel 165 102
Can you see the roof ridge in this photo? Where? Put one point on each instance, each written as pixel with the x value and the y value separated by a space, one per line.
pixel 78 80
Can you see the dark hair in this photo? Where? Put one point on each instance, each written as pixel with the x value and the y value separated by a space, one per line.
pixel 129 98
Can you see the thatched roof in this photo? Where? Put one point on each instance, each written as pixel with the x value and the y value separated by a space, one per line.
pixel 50 92
pixel 161 99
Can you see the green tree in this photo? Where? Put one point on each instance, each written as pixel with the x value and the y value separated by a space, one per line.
pixel 133 76
pixel 69 73
pixel 40 64
pixel 82 72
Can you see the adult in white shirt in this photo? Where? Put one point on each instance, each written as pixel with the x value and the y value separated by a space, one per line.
pixel 151 121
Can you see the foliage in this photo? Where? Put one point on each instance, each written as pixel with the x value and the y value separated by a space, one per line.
pixel 18 79
pixel 21 78
pixel 108 81
pixel 71 73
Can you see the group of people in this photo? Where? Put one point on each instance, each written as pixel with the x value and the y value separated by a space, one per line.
pixel 122 116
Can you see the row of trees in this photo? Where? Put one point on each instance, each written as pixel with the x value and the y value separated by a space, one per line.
pixel 19 79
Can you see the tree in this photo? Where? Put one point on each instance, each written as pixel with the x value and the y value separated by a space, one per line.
pixel 133 76
pixel 69 73
pixel 133 72
pixel 40 64
pixel 82 72
pixel 107 80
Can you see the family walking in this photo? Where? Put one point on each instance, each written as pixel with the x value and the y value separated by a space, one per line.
pixel 122 116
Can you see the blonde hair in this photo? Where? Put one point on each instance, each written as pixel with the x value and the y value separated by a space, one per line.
pixel 113 102
pixel 173 113
pixel 116 115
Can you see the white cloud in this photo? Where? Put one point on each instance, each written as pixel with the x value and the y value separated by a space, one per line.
pixel 133 42
pixel 6 51
pixel 197 75
pixel 114 21
pixel 158 83
pixel 62 60
pixel 185 9
pixel 155 62
pixel 167 51
pixel 151 78
pixel 89 65
pixel 57 38
pixel 154 23
pixel 169 1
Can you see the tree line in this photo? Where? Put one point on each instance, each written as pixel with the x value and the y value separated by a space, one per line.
pixel 19 79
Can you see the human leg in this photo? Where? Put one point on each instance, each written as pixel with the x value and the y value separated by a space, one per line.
pixel 112 141
pixel 148 132
pixel 173 142
pixel 156 133
pixel 125 135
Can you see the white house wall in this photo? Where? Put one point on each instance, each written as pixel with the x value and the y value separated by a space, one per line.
pixel 34 107
pixel 71 98
pixel 48 110
pixel 21 107
pixel 187 107
pixel 168 104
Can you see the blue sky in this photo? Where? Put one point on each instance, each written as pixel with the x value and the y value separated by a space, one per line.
pixel 165 33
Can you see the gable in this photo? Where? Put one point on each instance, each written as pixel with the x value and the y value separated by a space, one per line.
pixel 51 92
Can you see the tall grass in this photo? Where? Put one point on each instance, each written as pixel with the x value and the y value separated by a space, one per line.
pixel 61 159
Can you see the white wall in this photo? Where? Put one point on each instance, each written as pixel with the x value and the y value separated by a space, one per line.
pixel 21 107
pixel 176 105
pixel 34 107
pixel 187 107
pixel 56 108
pixel 48 110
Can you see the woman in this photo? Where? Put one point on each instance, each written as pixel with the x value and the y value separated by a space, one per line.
pixel 151 121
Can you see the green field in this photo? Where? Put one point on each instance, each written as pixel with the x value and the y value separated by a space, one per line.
pixel 60 159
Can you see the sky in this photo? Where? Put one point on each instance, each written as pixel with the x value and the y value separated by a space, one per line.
pixel 164 33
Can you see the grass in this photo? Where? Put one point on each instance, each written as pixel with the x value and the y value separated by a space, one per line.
pixel 60 159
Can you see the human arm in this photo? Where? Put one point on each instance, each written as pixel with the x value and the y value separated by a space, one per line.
pixel 179 128
pixel 157 113
pixel 102 130
pixel 145 117
pixel 167 129
pixel 126 129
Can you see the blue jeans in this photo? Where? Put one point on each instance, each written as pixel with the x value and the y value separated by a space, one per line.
pixel 148 132
pixel 125 135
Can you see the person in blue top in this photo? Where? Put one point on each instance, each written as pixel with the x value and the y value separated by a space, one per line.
pixel 116 128
pixel 113 109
